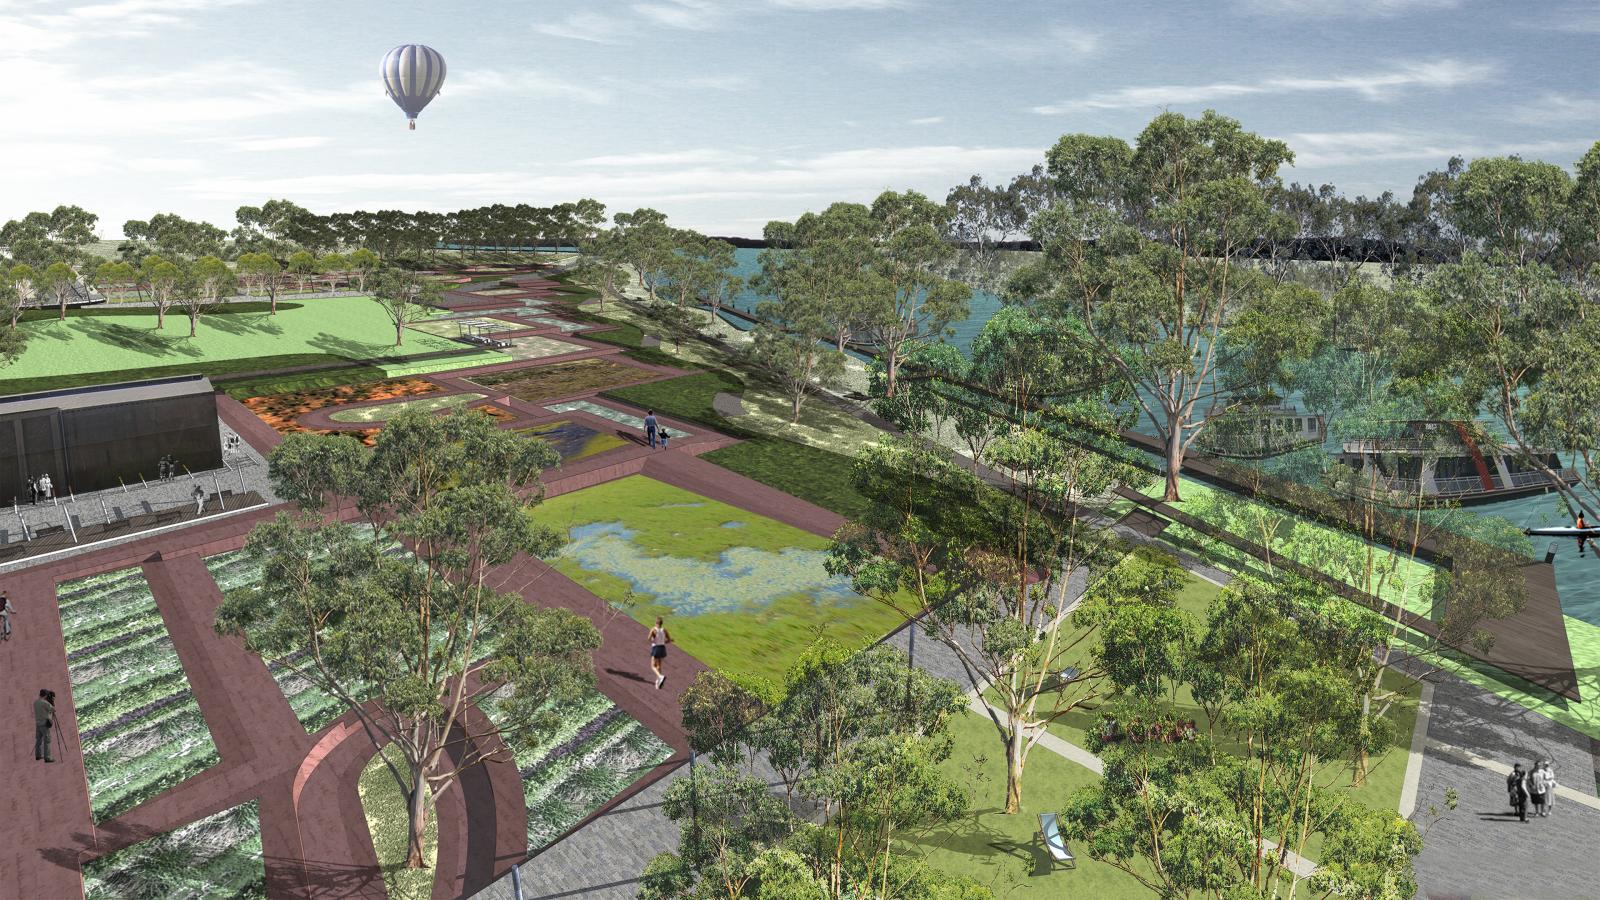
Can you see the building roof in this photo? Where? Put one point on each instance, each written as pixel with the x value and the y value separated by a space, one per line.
pixel 107 394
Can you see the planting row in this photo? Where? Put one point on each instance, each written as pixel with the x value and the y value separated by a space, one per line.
pixel 216 857
pixel 141 729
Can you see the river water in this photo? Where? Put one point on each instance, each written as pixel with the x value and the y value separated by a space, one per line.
pixel 1577 578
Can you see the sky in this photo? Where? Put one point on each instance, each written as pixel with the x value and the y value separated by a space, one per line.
pixel 727 114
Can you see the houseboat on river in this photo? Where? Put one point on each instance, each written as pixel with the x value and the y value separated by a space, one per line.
pixel 1254 430
pixel 1448 461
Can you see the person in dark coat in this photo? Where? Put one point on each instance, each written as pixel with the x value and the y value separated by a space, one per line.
pixel 1517 791
pixel 44 720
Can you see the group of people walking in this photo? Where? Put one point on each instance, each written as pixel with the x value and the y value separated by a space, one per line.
pixel 1537 787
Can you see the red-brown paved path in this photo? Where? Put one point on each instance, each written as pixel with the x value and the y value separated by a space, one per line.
pixel 313 832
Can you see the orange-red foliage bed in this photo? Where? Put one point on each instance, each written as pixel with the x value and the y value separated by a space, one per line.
pixel 283 411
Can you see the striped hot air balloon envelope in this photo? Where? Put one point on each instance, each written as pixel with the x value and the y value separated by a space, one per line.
pixel 412 75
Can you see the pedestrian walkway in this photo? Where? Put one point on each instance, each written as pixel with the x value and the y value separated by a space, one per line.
pixel 1480 849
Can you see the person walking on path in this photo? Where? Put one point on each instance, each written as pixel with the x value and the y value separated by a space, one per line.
pixel 1517 790
pixel 650 427
pixel 5 617
pixel 1545 784
pixel 33 492
pixel 199 499
pixel 1538 789
pixel 659 639
pixel 664 438
pixel 46 488
pixel 44 719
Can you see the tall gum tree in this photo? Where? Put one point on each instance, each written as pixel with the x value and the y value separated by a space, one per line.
pixel 1144 246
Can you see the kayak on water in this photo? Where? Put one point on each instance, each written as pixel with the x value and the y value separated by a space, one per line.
pixel 1566 531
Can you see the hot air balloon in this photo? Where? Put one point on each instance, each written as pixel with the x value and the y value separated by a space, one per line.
pixel 412 75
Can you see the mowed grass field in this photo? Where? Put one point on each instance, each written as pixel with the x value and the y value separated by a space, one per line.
pixel 128 342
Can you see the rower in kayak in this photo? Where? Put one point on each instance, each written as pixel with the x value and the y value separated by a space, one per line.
pixel 1581 530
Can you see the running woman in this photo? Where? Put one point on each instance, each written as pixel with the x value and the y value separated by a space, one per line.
pixel 659 639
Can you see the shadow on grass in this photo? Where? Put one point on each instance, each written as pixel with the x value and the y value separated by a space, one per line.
pixel 139 340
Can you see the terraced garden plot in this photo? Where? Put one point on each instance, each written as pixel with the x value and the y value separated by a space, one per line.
pixel 571 440
pixel 383 412
pixel 450 328
pixel 283 411
pixel 314 707
pixel 563 324
pixel 538 347
pixel 141 729
pixel 537 383
pixel 501 291
pixel 743 593
pixel 217 857
pixel 606 412
pixel 598 751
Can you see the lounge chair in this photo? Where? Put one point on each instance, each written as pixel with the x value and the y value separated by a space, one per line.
pixel 1050 833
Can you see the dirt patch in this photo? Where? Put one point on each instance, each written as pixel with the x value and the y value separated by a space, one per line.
pixel 538 383
pixel 496 413
pixel 283 411
pixel 727 404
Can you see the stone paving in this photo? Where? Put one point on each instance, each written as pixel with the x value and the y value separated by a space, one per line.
pixel 1479 850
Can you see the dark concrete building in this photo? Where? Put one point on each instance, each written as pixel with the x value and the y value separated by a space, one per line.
pixel 103 436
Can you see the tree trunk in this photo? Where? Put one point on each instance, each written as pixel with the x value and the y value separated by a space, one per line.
pixel 63 307
pixel 418 816
pixel 892 360
pixel 797 395
pixel 194 319
pixel 399 333
pixel 1014 742
pixel 161 316
pixel 1174 458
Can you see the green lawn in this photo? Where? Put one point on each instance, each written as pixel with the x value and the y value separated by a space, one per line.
pixel 268 385
pixel 742 593
pixel 1001 851
pixel 119 344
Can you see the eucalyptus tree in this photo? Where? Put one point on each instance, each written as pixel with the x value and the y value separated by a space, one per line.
pixel 61 283
pixel 985 217
pixel 912 303
pixel 25 279
pixel 276 227
pixel 208 284
pixel 987 572
pixel 798 362
pixel 302 266
pixel 412 645
pixel 403 297
pixel 1503 331
pixel 41 238
pixel 13 340
pixel 1145 249
pixel 1277 668
pixel 172 236
pixel 363 263
pixel 115 272
pixel 645 244
pixel 332 266
pixel 601 267
pixel 160 279
pixel 260 272
pixel 824 260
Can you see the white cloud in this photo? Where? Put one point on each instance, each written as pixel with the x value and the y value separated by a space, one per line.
pixel 1439 74
pixel 640 18
pixel 1559 108
pixel 1056 43
pixel 707 156
pixel 625 181
pixel 927 120
pixel 1361 8
pixel 717 82
pixel 270 144
pixel 1331 149
pixel 32 33
pixel 523 82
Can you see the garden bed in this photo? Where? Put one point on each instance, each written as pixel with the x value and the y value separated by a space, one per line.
pixel 537 383
pixel 743 593
pixel 597 752
pixel 383 412
pixel 217 857
pixel 141 730
pixel 283 411
pixel 572 440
